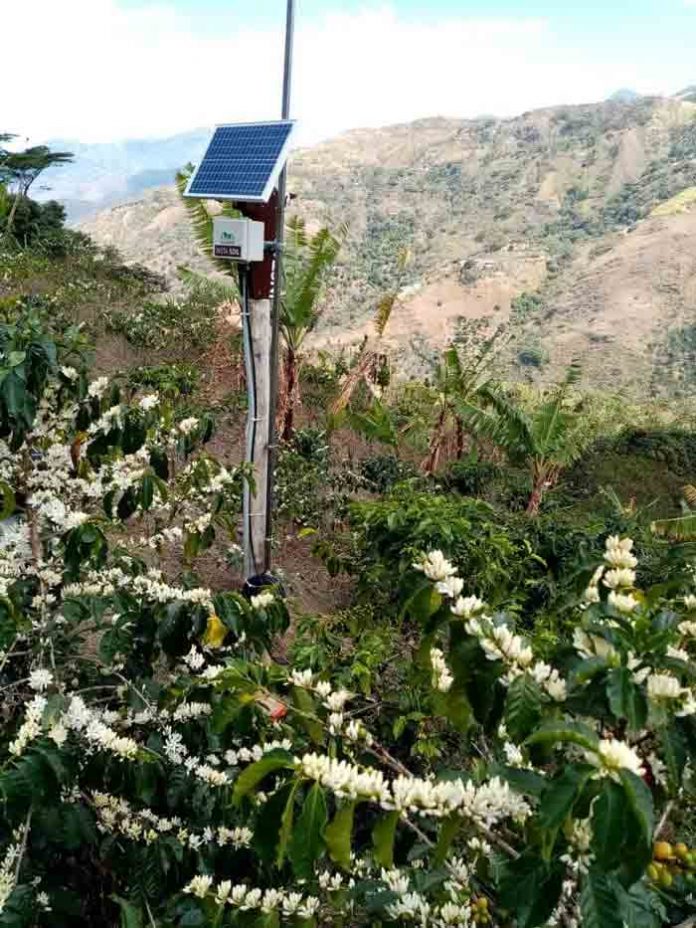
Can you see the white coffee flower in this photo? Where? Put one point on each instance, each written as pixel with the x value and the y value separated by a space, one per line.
pixel 619 577
pixel 664 686
pixel 199 886
pixel 98 387
pixel 618 552
pixel 614 755
pixel 442 678
pixel 467 606
pixel 149 402
pixel 186 426
pixel 435 566
pixel 302 678
pixel 450 587
pixel 262 600
pixel 40 679
pixel 622 602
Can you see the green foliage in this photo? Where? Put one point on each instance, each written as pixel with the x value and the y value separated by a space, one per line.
pixel 307 261
pixel 675 361
pixel 177 323
pixel 525 305
pixel 388 533
pixel 171 380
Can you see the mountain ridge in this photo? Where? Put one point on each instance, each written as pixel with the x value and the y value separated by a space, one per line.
pixel 493 211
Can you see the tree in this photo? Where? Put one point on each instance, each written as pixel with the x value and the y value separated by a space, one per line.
pixel 202 222
pixel 545 440
pixel 683 527
pixel 307 262
pixel 371 365
pixel 20 170
pixel 459 377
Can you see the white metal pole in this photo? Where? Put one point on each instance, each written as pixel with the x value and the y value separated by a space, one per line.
pixel 277 290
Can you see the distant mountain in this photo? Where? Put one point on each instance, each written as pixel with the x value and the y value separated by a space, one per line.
pixel 688 94
pixel 104 174
pixel 624 95
pixel 575 225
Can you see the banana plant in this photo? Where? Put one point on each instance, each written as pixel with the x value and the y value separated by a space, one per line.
pixel 681 528
pixel 545 441
pixel 307 262
pixel 372 359
pixel 460 376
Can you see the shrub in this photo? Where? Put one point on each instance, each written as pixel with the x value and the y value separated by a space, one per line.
pixel 158 767
pixel 186 322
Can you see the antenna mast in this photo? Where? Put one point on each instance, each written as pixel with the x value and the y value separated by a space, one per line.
pixel 277 290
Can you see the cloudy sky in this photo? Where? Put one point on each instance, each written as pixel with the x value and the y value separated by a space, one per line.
pixel 104 70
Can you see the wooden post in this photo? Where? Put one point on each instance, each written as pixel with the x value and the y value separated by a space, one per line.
pixel 257 336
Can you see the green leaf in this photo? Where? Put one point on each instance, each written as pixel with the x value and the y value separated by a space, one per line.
pixel 286 822
pixel 131 916
pixel 626 700
pixel 249 778
pixel 147 492
pixel 554 732
pixel 8 500
pixel 599 903
pixel 557 801
pixel 303 701
pixel 383 835
pixel 338 834
pixel 674 754
pixel 642 908
pixel 522 707
pixel 307 839
pixel 641 804
pixel 424 603
pixel 448 832
pixel 531 888
pixel 269 823
pixel 609 813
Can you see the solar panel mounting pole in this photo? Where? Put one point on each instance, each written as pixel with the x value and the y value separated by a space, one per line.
pixel 277 291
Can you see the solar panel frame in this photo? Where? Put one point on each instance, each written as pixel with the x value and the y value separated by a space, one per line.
pixel 271 174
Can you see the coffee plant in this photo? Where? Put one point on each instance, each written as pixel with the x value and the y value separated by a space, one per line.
pixel 159 768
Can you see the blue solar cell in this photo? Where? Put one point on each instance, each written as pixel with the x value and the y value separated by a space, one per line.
pixel 242 162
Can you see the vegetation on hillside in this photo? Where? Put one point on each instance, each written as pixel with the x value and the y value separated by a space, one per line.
pixel 491 722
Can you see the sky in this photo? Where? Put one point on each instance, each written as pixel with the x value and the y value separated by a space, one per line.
pixel 107 70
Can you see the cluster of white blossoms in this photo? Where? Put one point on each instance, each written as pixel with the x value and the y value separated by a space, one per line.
pixel 8 878
pixel 613 756
pixel 205 769
pixel 263 600
pixel 617 574
pixel 484 804
pixel 414 907
pixel 666 689
pixel 245 898
pixel 334 701
pixel 244 755
pixel 435 566
pixel 150 587
pixel 442 678
pixel 498 642
pixel 116 816
pixel 30 728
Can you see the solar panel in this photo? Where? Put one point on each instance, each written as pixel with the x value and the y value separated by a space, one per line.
pixel 242 162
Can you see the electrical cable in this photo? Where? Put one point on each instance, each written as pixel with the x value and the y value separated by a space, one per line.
pixel 250 366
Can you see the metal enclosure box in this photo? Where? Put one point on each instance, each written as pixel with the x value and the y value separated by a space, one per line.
pixel 238 239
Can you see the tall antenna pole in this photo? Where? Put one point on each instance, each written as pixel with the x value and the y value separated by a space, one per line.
pixel 277 289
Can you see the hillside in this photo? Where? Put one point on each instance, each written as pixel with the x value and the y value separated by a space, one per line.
pixel 107 173
pixel 574 224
